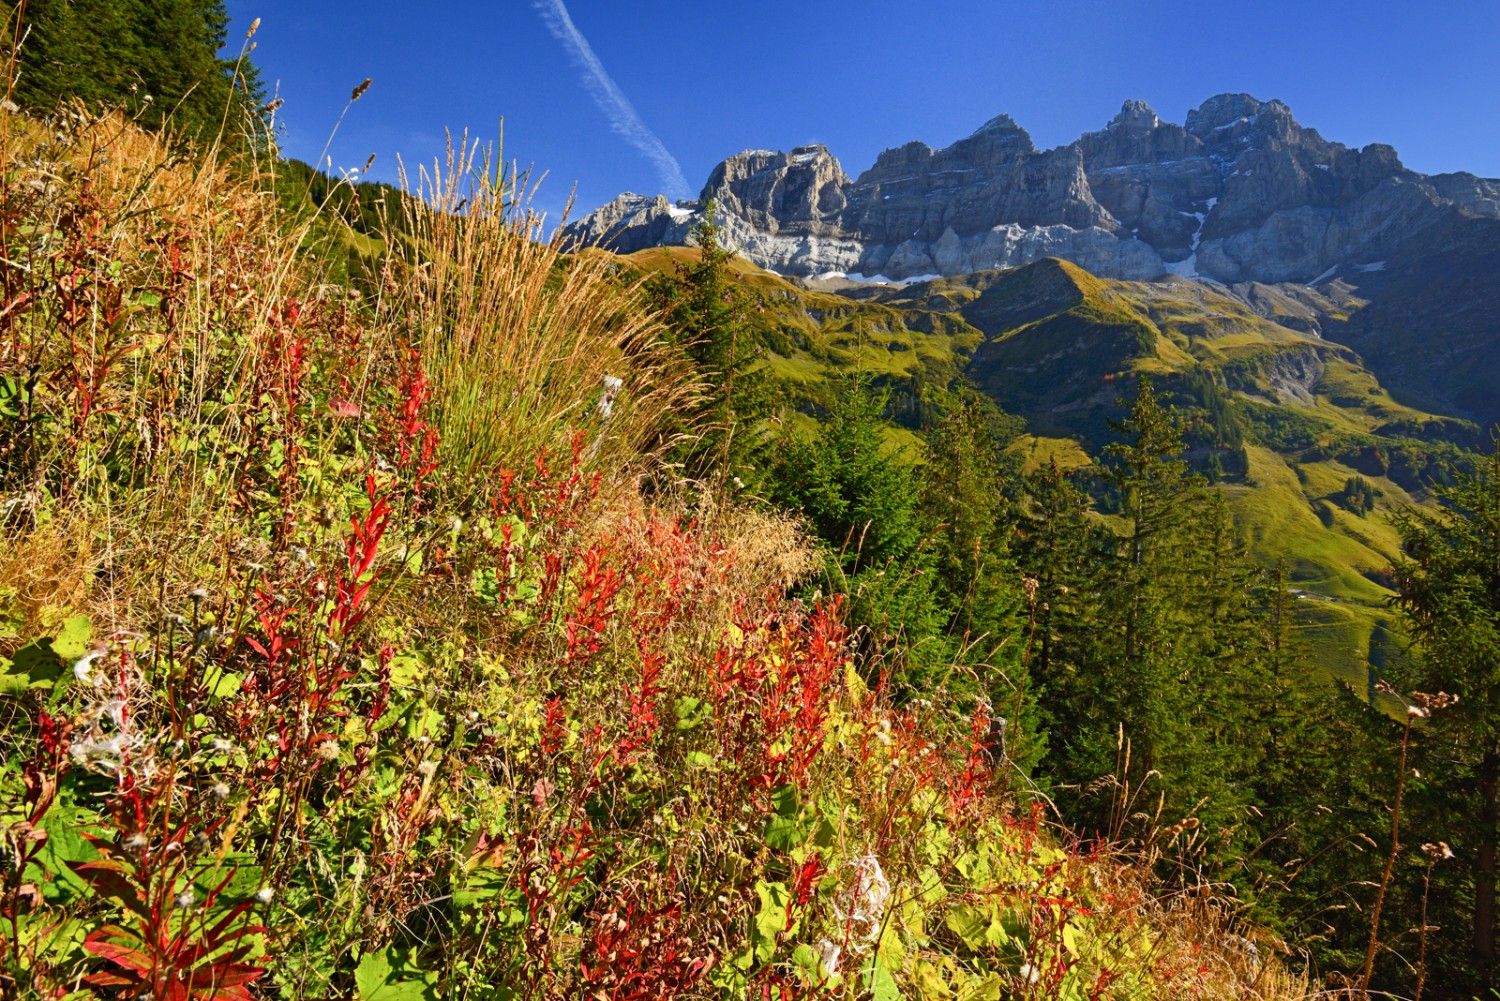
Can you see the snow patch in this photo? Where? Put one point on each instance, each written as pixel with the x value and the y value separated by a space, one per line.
pixel 678 213
pixel 1323 166
pixel 1186 268
pixel 862 279
pixel 1325 276
pixel 1376 266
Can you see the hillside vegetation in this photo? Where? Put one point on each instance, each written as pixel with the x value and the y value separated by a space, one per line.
pixel 395 606
pixel 1283 419
pixel 344 653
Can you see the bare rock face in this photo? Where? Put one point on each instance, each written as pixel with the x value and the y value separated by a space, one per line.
pixel 629 223
pixel 1240 192
pixel 794 194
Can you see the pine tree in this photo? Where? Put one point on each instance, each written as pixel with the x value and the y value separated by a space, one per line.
pixel 707 308
pixel 963 499
pixel 122 52
pixel 1448 594
pixel 862 501
pixel 1172 645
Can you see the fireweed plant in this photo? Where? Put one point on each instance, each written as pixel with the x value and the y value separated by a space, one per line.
pixel 344 655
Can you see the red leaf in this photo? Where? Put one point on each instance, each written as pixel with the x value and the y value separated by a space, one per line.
pixel 111 879
pixel 131 959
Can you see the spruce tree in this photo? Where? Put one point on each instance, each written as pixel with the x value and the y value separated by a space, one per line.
pixel 1170 648
pixel 707 308
pixel 861 500
pixel 963 498
pixel 1448 594
pixel 122 52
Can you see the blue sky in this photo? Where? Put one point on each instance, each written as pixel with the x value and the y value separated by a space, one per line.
pixel 707 78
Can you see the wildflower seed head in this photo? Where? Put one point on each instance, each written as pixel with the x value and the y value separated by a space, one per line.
pixel 220 791
pixel 83 670
pixel 186 899
pixel 427 769
pixel 198 594
pixel 175 620
pixel 1440 700
pixel 264 895
pixel 221 745
pixel 328 750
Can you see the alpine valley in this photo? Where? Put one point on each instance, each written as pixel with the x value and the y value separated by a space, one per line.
pixel 1325 316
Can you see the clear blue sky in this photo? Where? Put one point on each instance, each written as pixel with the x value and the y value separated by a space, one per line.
pixel 708 78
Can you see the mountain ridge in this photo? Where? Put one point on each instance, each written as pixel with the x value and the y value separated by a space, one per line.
pixel 1337 242
pixel 1240 191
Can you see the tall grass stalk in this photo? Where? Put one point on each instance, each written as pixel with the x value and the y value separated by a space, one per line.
pixel 518 337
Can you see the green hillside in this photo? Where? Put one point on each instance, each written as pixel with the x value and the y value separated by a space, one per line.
pixel 1059 347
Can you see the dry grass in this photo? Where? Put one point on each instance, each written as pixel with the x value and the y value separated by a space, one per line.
pixel 520 339
pixel 491 727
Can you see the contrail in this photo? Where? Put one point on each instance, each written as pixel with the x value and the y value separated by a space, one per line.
pixel 606 94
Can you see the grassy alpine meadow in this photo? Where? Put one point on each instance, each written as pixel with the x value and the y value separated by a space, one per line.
pixel 357 641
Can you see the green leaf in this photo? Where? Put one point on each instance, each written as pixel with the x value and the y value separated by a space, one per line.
pixel 377 978
pixel 790 825
pixel 883 985
pixel 1070 939
pixel 770 920
pixel 72 641
pixel 35 666
pixel 969 924
pixel 932 890
pixel 687 710
pixel 221 684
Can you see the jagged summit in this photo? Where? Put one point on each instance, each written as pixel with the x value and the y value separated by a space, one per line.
pixel 1223 110
pixel 1239 192
pixel 1135 116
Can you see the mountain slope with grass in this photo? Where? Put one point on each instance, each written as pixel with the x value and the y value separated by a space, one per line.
pixel 357 639
pixel 1287 421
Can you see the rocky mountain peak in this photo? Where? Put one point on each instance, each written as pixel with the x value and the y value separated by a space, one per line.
pixel 1240 192
pixel 1223 111
pixel 1000 134
pixel 1135 116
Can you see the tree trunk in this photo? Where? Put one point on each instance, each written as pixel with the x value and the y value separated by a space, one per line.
pixel 1484 880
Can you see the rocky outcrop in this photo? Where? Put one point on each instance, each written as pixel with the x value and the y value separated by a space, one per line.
pixel 1240 192
pixel 632 222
